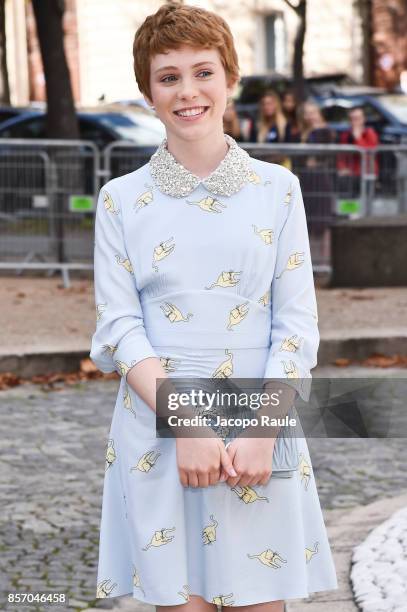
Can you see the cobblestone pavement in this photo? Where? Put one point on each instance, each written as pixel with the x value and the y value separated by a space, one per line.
pixel 52 465
pixel 379 573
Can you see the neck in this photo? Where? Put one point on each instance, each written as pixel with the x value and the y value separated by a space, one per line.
pixel 201 157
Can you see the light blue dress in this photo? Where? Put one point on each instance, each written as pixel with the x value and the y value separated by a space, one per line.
pixel 215 278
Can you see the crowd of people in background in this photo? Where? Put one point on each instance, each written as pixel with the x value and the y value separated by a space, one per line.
pixel 281 119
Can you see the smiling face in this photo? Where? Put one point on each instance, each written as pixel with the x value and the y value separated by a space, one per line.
pixel 189 91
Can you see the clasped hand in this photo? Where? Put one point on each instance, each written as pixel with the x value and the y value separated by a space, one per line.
pixel 206 461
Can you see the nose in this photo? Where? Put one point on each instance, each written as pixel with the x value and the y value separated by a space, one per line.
pixel 187 89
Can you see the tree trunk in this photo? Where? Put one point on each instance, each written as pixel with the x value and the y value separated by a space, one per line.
pixel 61 117
pixel 4 84
pixel 299 84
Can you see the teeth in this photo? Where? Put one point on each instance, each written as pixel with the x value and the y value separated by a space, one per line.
pixel 191 111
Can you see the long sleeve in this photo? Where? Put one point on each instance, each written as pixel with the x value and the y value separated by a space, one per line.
pixel 120 340
pixel 294 328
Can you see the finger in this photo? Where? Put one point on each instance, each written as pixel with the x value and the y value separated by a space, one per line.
pixel 245 480
pixel 183 478
pixel 214 477
pixel 227 464
pixel 265 479
pixel 193 480
pixel 232 482
pixel 203 480
pixel 223 476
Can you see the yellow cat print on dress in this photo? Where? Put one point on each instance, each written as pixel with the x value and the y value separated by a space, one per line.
pixel 161 251
pixel 254 178
pixel 109 204
pixel 209 532
pixel 226 279
pixel 110 454
pixel 290 369
pixel 295 260
pixel 222 600
pixel 291 344
pixel 146 461
pixel 170 364
pixel 109 349
pixel 137 581
pixel 145 198
pixel 208 204
pixel 288 195
pixel 304 469
pixel 105 588
pixel 123 368
pixel 248 495
pixel 127 403
pixel 225 369
pixel 265 234
pixel 185 594
pixel 100 309
pixel 269 557
pixel 160 537
pixel 125 262
pixel 310 552
pixel 266 298
pixel 237 314
pixel 173 313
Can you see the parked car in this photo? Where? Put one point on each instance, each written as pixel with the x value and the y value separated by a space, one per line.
pixel 386 113
pixel 102 128
pixel 8 112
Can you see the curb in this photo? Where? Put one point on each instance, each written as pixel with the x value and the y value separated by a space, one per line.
pixel 354 348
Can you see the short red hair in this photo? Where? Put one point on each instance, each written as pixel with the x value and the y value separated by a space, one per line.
pixel 174 25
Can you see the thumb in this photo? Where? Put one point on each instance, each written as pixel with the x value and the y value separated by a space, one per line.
pixel 227 463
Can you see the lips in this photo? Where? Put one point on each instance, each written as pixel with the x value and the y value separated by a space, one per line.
pixel 195 111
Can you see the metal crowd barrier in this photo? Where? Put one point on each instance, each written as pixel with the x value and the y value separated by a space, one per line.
pixel 48 191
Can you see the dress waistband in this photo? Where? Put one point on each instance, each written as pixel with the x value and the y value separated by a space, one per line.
pixel 206 320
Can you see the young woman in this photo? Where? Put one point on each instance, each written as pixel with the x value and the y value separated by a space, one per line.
pixel 272 125
pixel 203 269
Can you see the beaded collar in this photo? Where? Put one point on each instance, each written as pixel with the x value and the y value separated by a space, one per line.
pixel 175 180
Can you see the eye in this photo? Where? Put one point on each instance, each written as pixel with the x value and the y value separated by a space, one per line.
pixel 170 76
pixel 205 72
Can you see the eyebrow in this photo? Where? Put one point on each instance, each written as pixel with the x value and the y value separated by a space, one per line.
pixel 176 68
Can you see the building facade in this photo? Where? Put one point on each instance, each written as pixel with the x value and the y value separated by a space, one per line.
pixel 99 36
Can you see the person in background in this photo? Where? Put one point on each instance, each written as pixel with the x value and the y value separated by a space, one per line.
pixel 317 175
pixel 289 105
pixel 231 123
pixel 349 164
pixel 271 126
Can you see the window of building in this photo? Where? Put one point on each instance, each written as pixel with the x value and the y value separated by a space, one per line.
pixel 275 42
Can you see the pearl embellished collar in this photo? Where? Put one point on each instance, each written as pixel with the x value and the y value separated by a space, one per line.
pixel 172 178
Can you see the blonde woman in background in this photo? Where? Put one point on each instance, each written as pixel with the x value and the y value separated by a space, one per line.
pixel 271 126
pixel 316 175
